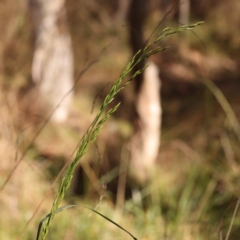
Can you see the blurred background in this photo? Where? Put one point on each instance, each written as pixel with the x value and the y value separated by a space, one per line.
pixel 194 194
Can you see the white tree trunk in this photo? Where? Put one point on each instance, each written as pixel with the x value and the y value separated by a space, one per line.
pixel 121 14
pixel 146 141
pixel 52 67
pixel 184 10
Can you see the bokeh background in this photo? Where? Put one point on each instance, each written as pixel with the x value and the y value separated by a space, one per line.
pixel 196 191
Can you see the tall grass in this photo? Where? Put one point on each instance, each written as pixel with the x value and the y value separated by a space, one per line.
pixel 101 117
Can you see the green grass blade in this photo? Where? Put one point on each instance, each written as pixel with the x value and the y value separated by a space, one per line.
pixel 111 221
pixel 47 216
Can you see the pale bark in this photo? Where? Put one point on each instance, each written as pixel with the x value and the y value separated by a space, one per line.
pixel 146 140
pixel 184 10
pixel 121 14
pixel 52 67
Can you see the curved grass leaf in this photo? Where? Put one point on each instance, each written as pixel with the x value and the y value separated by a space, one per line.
pixel 47 216
pixel 110 221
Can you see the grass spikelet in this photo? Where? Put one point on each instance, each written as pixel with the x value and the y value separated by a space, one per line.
pixel 93 131
pixel 169 31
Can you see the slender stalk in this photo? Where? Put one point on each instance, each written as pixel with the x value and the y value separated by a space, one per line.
pixel 232 220
pixel 93 131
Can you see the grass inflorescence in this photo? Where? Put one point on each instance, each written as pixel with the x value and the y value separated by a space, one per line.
pixel 101 117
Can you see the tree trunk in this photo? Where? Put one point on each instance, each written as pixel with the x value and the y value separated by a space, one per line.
pixel 145 142
pixel 52 67
pixel 122 11
pixel 184 9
